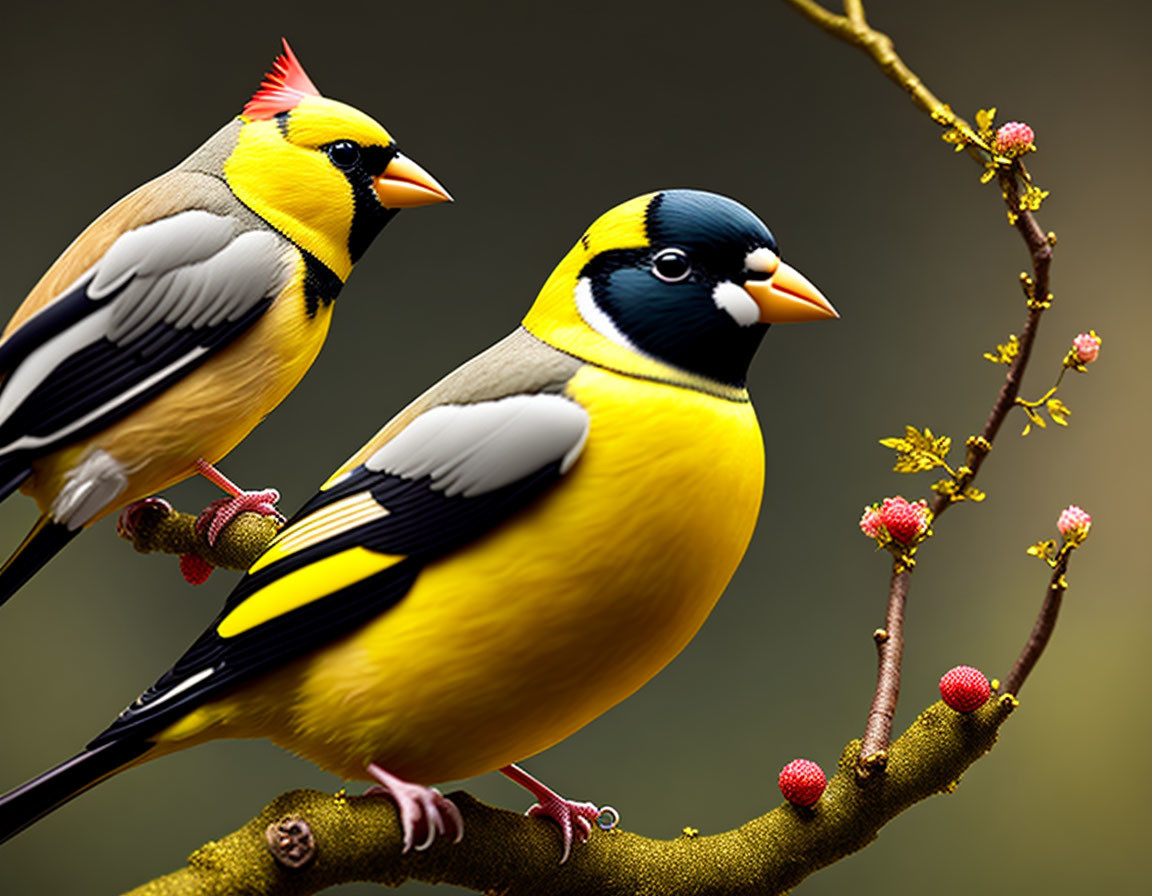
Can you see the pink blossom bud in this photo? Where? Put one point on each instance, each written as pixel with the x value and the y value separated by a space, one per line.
pixel 1014 138
pixel 1074 523
pixel 1087 347
pixel 870 522
pixel 904 521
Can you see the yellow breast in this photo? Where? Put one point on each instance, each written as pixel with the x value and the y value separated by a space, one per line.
pixel 505 647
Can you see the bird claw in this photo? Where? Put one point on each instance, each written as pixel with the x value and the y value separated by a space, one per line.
pixel 575 819
pixel 419 807
pixel 221 512
pixel 132 515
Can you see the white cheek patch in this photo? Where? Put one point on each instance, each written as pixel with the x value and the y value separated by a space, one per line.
pixel 762 261
pixel 595 316
pixel 737 302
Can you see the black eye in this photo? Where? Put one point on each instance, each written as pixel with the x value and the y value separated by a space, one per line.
pixel 344 153
pixel 671 266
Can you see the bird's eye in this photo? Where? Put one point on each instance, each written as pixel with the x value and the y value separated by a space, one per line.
pixel 671 266
pixel 344 153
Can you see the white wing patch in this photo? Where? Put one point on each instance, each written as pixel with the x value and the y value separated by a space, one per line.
pixel 152 249
pixel 88 488
pixel 470 449
pixel 202 293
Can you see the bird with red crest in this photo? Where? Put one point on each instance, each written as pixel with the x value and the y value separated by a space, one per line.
pixel 189 310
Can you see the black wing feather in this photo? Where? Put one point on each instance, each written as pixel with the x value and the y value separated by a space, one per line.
pixel 98 373
pixel 422 524
pixel 67 310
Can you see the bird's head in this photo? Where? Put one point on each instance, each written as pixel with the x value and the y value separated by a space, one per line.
pixel 679 285
pixel 324 174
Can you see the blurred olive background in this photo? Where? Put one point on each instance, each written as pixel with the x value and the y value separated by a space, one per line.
pixel 538 117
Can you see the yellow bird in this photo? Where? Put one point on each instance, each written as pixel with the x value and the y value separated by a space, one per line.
pixel 186 312
pixel 584 488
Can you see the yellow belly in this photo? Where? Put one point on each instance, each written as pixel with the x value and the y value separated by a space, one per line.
pixel 205 414
pixel 506 647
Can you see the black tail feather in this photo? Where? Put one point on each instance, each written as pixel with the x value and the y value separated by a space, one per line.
pixel 11 478
pixel 51 790
pixel 43 543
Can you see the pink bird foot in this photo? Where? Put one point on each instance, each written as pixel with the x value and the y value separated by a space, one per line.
pixel 219 514
pixel 575 819
pixel 132 515
pixel 420 808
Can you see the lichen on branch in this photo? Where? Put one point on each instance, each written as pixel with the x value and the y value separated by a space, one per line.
pixel 159 528
pixel 358 838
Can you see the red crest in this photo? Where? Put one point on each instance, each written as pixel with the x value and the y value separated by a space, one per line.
pixel 282 88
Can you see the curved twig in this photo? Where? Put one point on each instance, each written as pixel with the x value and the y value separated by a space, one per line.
pixel 854 29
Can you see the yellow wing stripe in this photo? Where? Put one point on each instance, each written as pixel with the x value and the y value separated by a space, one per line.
pixel 337 517
pixel 302 586
pixel 336 478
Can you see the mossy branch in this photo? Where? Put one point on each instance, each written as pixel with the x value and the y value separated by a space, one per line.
pixel 358 838
pixel 159 528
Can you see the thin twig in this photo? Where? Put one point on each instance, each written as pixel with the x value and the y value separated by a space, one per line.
pixel 1040 299
pixel 889 654
pixel 854 9
pixel 1042 630
pixel 855 30
pixel 879 46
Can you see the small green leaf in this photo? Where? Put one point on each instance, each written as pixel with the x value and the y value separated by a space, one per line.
pixel 1058 411
pixel 896 443
pixel 1005 352
pixel 1045 550
pixel 918 451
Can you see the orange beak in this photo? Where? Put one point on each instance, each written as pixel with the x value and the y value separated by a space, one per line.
pixel 787 296
pixel 404 184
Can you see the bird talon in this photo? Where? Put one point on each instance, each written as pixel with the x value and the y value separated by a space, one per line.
pixel 418 806
pixel 131 516
pixel 217 515
pixel 574 819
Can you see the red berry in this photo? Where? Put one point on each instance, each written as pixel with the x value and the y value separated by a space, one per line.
pixel 965 689
pixel 904 521
pixel 195 569
pixel 802 782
